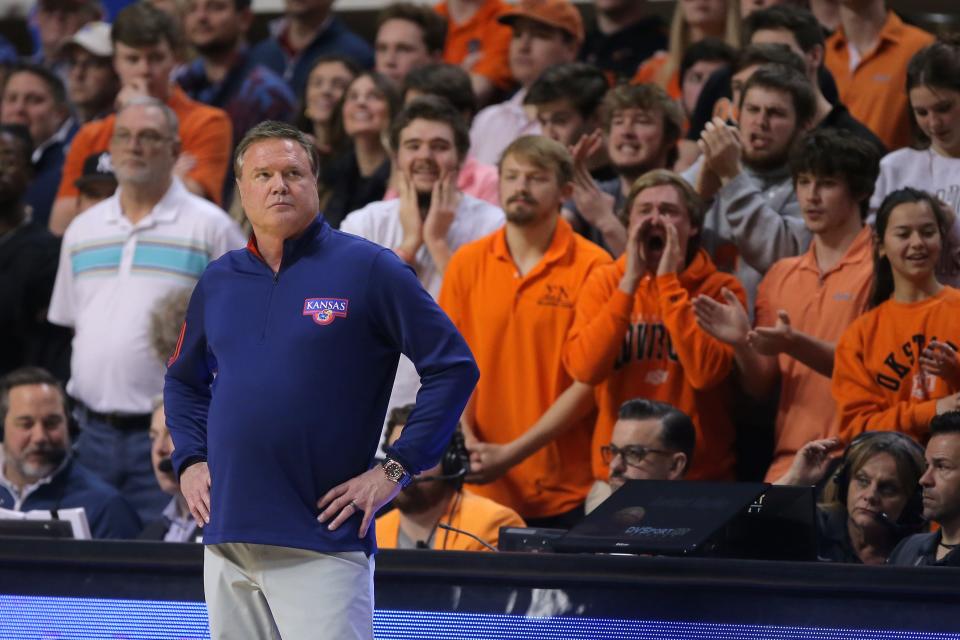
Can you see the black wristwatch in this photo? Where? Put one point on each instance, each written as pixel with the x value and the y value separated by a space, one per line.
pixel 396 473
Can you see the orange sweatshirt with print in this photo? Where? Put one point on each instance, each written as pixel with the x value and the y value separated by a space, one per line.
pixel 650 346
pixel 877 381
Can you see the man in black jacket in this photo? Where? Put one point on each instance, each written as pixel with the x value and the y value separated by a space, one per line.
pixel 941 496
pixel 28 266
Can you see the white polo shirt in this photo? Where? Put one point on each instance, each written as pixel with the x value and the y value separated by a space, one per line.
pixel 110 277
pixel 380 222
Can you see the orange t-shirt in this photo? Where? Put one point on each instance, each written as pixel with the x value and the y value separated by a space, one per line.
pixel 466 511
pixel 482 35
pixel 205 133
pixel 515 325
pixel 821 305
pixel 874 91
pixel 877 381
pixel 649 72
pixel 650 346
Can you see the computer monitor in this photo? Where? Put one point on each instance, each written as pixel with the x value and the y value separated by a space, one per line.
pixel 781 524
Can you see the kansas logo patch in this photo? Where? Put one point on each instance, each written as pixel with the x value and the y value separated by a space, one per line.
pixel 325 310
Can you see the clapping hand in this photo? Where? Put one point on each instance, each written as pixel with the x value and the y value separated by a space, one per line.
pixel 722 150
pixel 594 205
pixel 940 359
pixel 726 321
pixel 771 341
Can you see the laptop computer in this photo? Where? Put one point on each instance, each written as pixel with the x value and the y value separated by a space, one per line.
pixel 660 517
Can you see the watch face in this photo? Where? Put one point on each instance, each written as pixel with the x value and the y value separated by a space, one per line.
pixel 393 470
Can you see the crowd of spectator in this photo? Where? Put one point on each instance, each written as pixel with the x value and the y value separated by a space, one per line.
pixel 720 249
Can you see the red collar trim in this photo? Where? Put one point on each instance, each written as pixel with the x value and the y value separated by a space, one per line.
pixel 252 246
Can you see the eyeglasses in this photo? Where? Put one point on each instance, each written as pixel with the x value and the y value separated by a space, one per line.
pixel 143 139
pixel 632 454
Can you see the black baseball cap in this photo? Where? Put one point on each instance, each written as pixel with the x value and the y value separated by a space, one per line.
pixel 97 168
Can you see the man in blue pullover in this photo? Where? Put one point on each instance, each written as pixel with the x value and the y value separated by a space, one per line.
pixel 276 394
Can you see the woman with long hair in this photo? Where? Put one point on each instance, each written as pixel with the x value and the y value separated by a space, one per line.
pixel 359 175
pixel 693 20
pixel 896 366
pixel 872 500
pixel 327 81
pixel 933 164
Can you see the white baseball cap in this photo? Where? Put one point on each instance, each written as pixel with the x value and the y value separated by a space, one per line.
pixel 94 37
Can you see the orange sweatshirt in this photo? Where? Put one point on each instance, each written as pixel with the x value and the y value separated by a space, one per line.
pixel 877 381
pixel 650 346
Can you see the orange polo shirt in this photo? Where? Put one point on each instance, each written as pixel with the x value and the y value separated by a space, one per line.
pixel 205 133
pixel 467 512
pixel 649 345
pixel 877 381
pixel 481 33
pixel 649 71
pixel 874 91
pixel 515 325
pixel 821 305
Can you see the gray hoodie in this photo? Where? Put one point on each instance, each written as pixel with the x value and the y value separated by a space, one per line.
pixel 754 221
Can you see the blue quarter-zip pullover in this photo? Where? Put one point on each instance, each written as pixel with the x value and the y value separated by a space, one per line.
pixel 281 382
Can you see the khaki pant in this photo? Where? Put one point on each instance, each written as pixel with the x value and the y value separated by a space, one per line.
pixel 256 591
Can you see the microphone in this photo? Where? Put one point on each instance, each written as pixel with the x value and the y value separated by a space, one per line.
pixel 885 520
pixel 468 534
pixel 899 529
pixel 165 465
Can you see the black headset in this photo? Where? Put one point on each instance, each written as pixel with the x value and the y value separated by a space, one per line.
pixel 455 464
pixel 911 518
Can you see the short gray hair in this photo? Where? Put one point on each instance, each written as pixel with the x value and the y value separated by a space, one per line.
pixel 169 116
pixel 274 130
